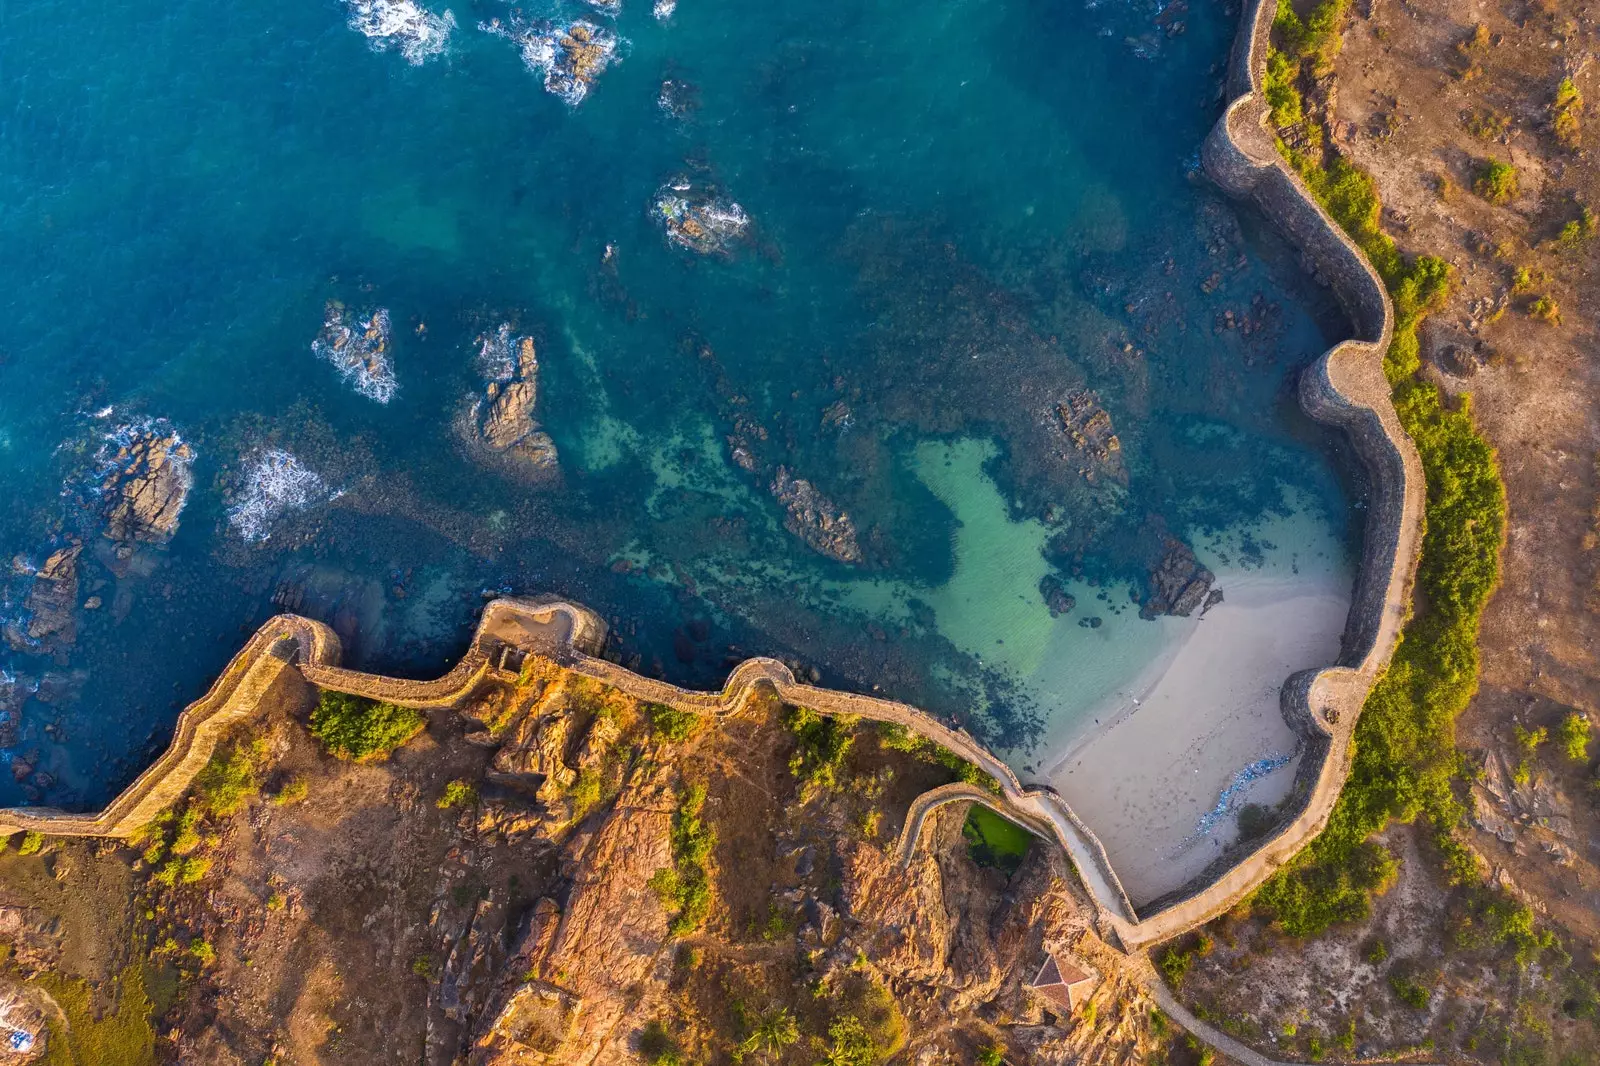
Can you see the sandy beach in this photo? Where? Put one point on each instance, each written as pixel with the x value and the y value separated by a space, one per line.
pixel 1147 780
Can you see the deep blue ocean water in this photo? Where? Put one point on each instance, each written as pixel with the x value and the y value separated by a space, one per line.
pixel 961 214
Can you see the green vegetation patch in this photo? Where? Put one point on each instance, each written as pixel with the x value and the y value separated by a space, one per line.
pixel 671 723
pixel 685 886
pixel 895 737
pixel 824 742
pixel 995 841
pixel 1496 181
pixel 120 1034
pixel 360 730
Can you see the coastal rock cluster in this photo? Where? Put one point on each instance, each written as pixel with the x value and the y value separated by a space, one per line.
pixel 502 421
pixel 1178 584
pixel 698 219
pixel 569 56
pixel 815 519
pixel 145 483
pixel 358 347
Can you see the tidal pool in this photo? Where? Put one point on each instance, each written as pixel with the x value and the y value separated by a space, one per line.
pixel 846 332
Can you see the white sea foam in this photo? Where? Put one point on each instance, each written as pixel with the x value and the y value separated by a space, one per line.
pixel 417 33
pixel 664 9
pixel 274 484
pixel 497 355
pixel 361 352
pixel 569 57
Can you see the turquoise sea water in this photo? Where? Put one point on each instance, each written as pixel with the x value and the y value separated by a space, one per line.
pixel 961 215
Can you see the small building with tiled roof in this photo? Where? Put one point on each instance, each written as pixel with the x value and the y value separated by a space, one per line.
pixel 1063 982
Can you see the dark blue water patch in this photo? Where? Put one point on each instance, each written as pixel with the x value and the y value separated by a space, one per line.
pixel 965 220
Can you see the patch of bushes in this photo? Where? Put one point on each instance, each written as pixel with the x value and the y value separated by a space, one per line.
pixel 1496 181
pixel 1564 112
pixel 229 779
pixel 1573 735
pixel 1176 960
pixel 458 793
pixel 824 742
pixel 685 887
pixel 87 1034
pixel 896 737
pixel 1545 309
pixel 1318 38
pixel 671 723
pixel 360 730
pixel 292 791
pixel 1411 991
pixel 32 843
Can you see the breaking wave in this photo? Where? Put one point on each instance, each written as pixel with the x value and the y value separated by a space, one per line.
pixel 417 33
pixel 497 354
pixel 664 9
pixel 360 353
pixel 569 57
pixel 275 484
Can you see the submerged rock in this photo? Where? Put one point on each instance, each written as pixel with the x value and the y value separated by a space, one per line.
pixel 503 418
pixel 815 519
pixel 1178 583
pixel 1056 596
pixel 415 32
pixel 274 485
pixel 49 623
pixel 1087 425
pixel 698 219
pixel 145 482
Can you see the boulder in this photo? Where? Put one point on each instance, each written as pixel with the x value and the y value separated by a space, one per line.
pixel 147 486
pixel 1178 583
pixel 503 420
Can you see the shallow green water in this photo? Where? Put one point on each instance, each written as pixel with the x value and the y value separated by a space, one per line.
pixel 961 215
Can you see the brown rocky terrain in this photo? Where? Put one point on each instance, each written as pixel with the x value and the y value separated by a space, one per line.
pixel 517 885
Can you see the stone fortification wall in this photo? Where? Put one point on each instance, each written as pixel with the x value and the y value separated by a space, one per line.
pixel 1346 387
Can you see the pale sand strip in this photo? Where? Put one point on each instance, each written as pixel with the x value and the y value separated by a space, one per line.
pixel 1144 781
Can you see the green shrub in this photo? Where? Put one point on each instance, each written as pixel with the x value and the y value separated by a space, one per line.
pixel 991 1055
pixel 1412 992
pixel 1564 112
pixel 849 1044
pixel 1545 309
pixel 895 737
pixel 672 724
pixel 360 730
pixel 824 742
pixel 685 886
pixel 1573 733
pixel 458 793
pixel 228 780
pixel 1496 181
pixel 294 790
pixel 31 844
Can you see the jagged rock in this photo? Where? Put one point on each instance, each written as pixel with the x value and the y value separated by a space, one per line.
pixel 52 603
pixel 1056 596
pixel 1087 425
pixel 600 739
pixel 1178 583
pixel 147 486
pixel 536 749
pixel 815 519
pixel 503 419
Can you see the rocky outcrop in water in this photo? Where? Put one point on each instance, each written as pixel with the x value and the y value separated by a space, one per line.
pixel 815 519
pixel 1056 596
pixel 503 419
pixel 1087 425
pixel 1178 583
pixel 146 485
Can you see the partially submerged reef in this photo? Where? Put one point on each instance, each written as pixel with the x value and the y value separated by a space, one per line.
pixel 549 871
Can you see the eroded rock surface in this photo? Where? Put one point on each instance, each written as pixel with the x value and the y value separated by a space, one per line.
pixel 146 485
pixel 503 420
pixel 815 519
pixel 1178 583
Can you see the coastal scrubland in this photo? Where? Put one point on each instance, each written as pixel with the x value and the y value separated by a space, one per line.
pixel 559 873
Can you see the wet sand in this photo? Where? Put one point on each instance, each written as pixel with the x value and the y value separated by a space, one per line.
pixel 1146 777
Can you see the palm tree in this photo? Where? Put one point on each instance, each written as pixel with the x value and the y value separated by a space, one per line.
pixel 774 1030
